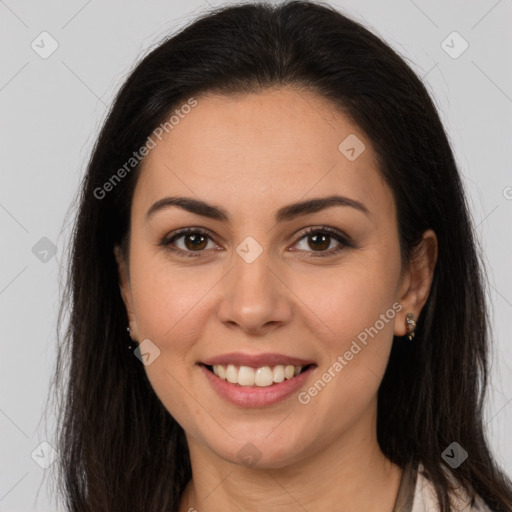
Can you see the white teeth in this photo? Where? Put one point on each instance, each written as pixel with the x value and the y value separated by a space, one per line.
pixel 263 376
pixel 289 371
pixel 278 373
pixel 232 374
pixel 246 376
pixel 221 372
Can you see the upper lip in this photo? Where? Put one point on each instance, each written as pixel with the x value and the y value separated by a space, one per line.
pixel 256 361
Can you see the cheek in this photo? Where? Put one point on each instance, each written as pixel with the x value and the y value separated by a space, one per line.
pixel 170 302
pixel 169 307
pixel 354 313
pixel 352 296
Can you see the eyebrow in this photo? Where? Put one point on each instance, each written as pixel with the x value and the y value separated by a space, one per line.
pixel 286 213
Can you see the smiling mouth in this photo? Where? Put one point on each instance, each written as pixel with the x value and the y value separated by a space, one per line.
pixel 263 376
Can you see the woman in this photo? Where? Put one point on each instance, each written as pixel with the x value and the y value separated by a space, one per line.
pixel 273 209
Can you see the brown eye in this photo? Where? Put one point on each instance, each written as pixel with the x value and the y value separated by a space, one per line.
pixel 191 240
pixel 319 240
pixel 194 241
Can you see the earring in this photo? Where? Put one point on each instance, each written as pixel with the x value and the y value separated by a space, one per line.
pixel 129 332
pixel 411 325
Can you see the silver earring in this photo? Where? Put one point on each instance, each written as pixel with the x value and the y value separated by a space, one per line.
pixel 411 325
pixel 129 332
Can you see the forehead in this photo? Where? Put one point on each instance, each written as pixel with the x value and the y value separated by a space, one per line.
pixel 278 146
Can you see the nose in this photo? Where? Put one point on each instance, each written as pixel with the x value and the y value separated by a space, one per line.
pixel 255 298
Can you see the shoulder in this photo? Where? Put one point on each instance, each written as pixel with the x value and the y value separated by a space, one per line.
pixel 425 497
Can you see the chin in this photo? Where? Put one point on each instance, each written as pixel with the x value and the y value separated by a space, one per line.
pixel 260 453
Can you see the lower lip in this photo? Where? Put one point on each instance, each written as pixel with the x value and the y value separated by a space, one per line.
pixel 256 396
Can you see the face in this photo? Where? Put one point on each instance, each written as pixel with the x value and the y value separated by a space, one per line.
pixel 248 280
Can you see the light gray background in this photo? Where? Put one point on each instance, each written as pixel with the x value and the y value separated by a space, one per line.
pixel 51 110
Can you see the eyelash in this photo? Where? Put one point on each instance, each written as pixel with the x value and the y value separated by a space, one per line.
pixel 344 240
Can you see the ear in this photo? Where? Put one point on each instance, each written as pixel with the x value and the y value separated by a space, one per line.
pixel 126 291
pixel 417 281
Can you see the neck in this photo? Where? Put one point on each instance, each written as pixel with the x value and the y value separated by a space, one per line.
pixel 351 474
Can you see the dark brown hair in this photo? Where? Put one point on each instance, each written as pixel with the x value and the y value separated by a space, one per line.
pixel 120 449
